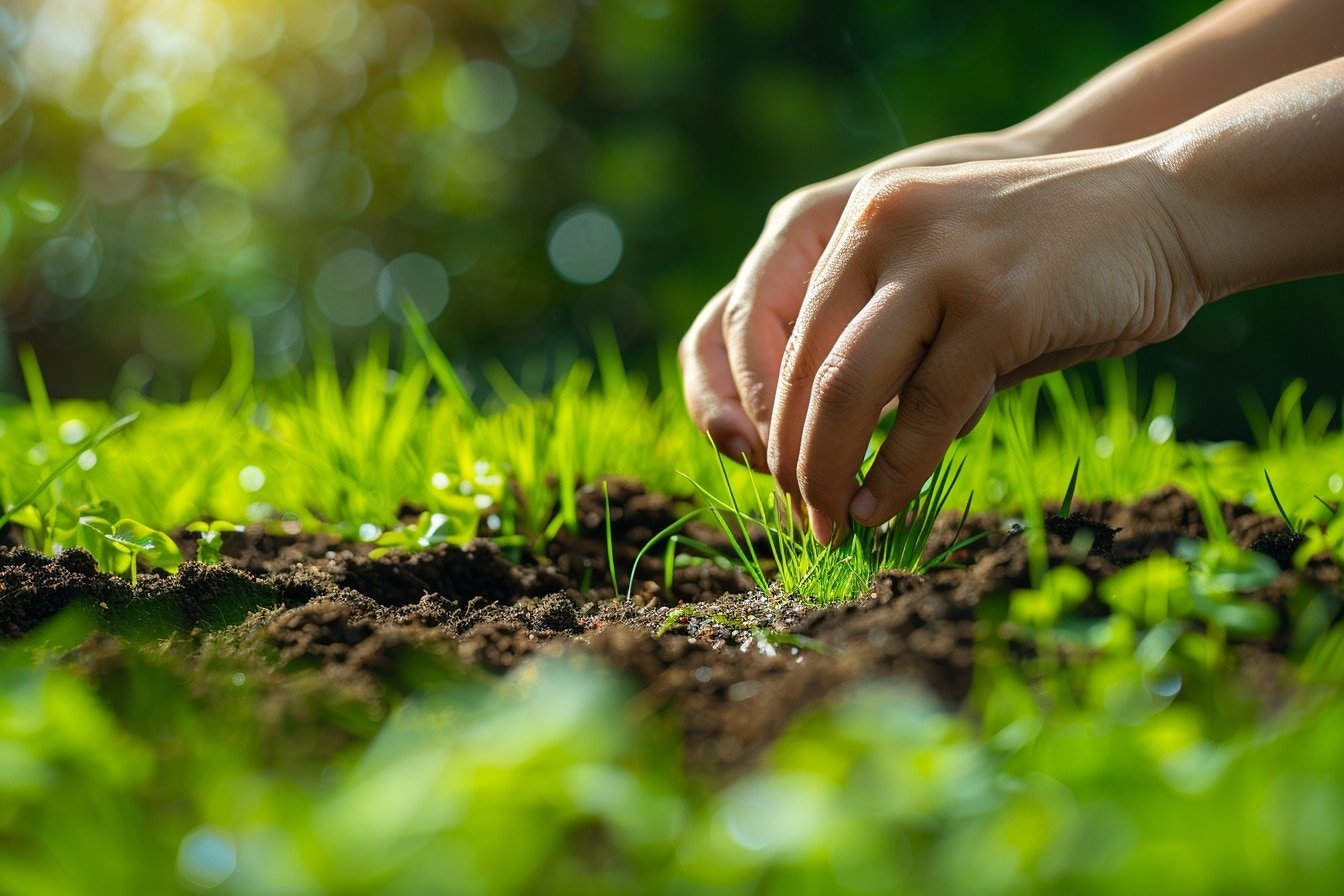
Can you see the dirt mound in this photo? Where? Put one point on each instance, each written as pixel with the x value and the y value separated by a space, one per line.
pixel 729 665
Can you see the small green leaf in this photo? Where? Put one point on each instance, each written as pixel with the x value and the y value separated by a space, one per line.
pixel 158 548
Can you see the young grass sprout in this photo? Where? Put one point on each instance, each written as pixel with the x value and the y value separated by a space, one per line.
pixel 804 567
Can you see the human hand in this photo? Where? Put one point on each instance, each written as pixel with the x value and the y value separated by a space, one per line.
pixel 730 357
pixel 940 285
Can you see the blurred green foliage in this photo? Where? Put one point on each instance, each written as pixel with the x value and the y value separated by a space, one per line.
pixel 1143 767
pixel 519 167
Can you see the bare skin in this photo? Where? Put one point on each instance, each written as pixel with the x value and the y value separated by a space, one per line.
pixel 955 268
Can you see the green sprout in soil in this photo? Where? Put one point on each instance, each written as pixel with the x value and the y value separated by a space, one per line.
pixel 210 539
pixel 430 530
pixel 803 566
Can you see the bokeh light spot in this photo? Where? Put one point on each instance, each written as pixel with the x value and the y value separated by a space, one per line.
pixel 207 857
pixel 255 32
pixel 279 339
pixel 585 245
pixel 538 43
pixel 346 288
pixel 409 36
pixel 1161 429
pixel 12 31
pixel 251 478
pixel 418 276
pixel 144 48
pixel 216 213
pixel 73 431
pixel 480 96
pixel 137 112
pixel 69 266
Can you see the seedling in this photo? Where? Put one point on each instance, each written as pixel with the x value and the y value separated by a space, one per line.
pixel 458 526
pixel 611 551
pixel 117 546
pixel 1294 527
pixel 805 567
pixel 1066 505
pixel 210 539
pixel 63 467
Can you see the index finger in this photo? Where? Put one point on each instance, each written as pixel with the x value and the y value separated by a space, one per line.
pixel 873 358
pixel 941 397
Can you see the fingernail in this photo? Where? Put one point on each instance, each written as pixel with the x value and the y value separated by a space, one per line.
pixel 823 530
pixel 863 506
pixel 739 449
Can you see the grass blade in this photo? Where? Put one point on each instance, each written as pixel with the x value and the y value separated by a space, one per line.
pixel 1066 505
pixel 88 444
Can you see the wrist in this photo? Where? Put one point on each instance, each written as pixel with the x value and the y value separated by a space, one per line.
pixel 1256 186
pixel 1175 230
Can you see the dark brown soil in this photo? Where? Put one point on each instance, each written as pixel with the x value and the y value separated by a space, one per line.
pixel 729 665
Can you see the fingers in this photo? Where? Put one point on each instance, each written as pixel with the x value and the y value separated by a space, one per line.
pixel 942 396
pixel 761 313
pixel 872 359
pixel 979 412
pixel 838 292
pixel 711 394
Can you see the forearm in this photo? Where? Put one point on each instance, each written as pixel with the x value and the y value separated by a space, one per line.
pixel 1257 184
pixel 1234 47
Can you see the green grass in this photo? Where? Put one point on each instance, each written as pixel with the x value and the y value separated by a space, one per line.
pixel 1095 753
pixel 798 564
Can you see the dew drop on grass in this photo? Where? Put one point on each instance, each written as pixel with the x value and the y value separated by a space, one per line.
pixel 1105 447
pixel 1161 430
pixel 1167 685
pixel 238 679
pixel 368 532
pixel 439 481
pixel 87 460
pixel 251 478
pixel 493 523
pixel 482 501
pixel 1336 483
pixel 73 432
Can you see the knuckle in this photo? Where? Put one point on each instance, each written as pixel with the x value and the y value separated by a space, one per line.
pixel 838 384
pixel 873 196
pixel 923 408
pixel 737 314
pixel 793 374
pixel 792 207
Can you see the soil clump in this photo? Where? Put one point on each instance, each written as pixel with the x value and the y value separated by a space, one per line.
pixel 729 665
